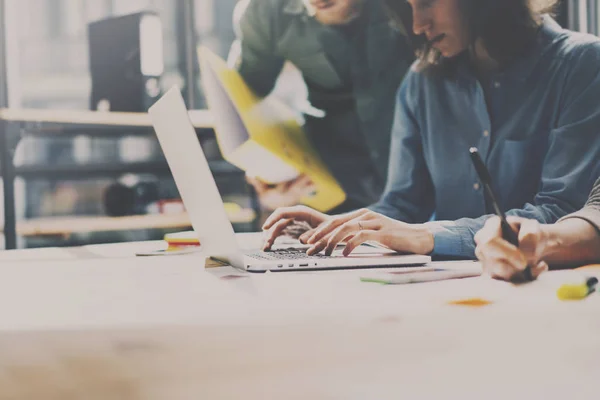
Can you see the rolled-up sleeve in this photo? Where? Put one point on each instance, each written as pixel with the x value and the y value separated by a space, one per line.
pixel 591 211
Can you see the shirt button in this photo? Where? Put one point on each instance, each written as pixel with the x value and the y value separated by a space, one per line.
pixel 486 133
pixel 496 84
pixel 476 186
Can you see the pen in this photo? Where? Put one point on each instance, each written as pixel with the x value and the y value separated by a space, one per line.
pixel 486 180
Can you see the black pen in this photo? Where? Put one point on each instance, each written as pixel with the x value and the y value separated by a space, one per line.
pixel 486 180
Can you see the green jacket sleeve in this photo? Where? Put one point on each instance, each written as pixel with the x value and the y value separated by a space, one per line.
pixel 256 57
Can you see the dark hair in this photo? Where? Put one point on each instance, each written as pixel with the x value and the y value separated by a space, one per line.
pixel 508 28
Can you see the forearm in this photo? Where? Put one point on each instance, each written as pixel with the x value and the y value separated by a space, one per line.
pixel 571 242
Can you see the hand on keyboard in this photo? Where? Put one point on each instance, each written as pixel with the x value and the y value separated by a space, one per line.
pixel 294 217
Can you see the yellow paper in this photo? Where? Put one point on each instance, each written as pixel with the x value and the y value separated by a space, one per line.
pixel 262 136
pixel 185 237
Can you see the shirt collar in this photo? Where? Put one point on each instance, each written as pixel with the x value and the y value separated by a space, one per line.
pixel 522 69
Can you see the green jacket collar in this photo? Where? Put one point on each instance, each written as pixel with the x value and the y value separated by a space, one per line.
pixel 295 7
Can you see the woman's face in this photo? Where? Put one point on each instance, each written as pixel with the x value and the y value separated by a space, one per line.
pixel 442 22
pixel 336 12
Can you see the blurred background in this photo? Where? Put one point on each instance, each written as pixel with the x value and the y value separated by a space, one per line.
pixel 55 54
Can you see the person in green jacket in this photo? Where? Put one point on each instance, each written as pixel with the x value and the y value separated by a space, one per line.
pixel 352 59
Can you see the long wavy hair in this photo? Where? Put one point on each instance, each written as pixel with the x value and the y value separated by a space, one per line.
pixel 507 28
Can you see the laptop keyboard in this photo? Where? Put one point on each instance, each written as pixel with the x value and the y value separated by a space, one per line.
pixel 284 254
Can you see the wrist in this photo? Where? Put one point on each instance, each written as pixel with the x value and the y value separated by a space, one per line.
pixel 423 239
pixel 551 240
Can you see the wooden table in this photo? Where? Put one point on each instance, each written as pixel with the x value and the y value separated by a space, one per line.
pixel 96 323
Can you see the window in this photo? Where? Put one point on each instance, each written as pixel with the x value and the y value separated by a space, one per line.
pixel 51 70
pixel 584 15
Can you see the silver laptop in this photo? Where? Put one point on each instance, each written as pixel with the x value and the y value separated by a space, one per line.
pixel 204 205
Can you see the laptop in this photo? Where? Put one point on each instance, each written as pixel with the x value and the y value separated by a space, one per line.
pixel 198 190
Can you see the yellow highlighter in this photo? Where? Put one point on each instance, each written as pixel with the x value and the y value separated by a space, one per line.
pixel 577 291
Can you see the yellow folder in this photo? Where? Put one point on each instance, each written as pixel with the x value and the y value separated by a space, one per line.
pixel 262 136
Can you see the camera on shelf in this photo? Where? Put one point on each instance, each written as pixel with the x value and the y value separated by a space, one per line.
pixel 121 199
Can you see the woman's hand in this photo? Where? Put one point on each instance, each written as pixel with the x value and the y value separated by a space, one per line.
pixel 282 218
pixel 502 260
pixel 284 194
pixel 364 225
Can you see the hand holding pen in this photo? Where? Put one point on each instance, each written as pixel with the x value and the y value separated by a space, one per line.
pixel 521 268
pixel 502 260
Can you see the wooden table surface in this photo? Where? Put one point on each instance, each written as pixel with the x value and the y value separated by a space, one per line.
pixel 97 322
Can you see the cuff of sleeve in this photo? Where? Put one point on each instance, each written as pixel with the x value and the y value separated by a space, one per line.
pixel 450 239
pixel 591 217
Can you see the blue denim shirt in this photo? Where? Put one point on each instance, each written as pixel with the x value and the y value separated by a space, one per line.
pixel 537 128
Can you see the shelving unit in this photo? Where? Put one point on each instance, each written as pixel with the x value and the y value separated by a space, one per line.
pixel 66 226
pixel 18 123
